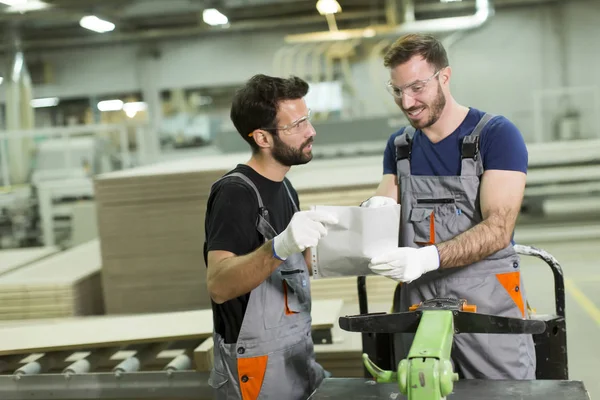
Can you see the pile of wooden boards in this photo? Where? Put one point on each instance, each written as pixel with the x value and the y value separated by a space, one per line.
pixel 151 226
pixel 60 284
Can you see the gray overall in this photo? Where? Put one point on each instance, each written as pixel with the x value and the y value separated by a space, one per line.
pixel 274 355
pixel 436 209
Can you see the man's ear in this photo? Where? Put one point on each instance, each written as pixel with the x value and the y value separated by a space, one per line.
pixel 262 138
pixel 445 75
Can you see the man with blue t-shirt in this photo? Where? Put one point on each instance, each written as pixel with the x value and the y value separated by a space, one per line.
pixel 459 175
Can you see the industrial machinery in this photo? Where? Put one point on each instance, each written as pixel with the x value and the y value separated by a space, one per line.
pixel 427 372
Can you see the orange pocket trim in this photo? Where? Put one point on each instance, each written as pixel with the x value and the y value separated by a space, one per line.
pixel 251 373
pixel 431 231
pixel 432 228
pixel 511 282
pixel 285 301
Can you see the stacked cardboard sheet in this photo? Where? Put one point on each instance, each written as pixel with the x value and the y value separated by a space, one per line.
pixel 64 284
pixel 151 226
pixel 11 259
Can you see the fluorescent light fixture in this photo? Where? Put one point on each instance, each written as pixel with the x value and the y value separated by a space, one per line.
pixel 110 105
pixel 1 80
pixel 96 24
pixel 213 17
pixel 328 7
pixel 21 6
pixel 132 108
pixel 44 102
pixel 13 2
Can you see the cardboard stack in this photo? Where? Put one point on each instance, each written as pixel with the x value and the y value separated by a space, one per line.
pixel 151 226
pixel 61 285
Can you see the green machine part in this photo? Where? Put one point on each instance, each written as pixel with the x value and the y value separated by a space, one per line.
pixel 426 374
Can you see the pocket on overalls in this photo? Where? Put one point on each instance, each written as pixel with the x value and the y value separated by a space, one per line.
pixel 295 291
pixel 435 222
pixel 423 222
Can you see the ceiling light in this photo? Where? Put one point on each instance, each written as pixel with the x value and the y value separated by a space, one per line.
pixel 44 102
pixel 22 6
pixel 132 108
pixel 96 24
pixel 213 17
pixel 13 2
pixel 110 105
pixel 328 7
pixel 1 80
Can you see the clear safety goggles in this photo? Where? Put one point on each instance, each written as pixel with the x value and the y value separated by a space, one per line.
pixel 413 89
pixel 298 126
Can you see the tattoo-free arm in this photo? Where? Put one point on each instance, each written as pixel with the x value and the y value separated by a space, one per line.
pixel 388 187
pixel 230 276
pixel 501 197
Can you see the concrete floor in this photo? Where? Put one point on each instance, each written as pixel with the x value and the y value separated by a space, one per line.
pixel 581 267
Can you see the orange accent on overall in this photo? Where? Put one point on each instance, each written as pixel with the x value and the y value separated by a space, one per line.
pixel 251 373
pixel 285 300
pixel 432 228
pixel 431 231
pixel 511 282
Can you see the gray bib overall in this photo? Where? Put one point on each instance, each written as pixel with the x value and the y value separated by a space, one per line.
pixel 274 354
pixel 436 209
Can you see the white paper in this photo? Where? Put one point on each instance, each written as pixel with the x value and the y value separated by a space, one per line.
pixel 361 234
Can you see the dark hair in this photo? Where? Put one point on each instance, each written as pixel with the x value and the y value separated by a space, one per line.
pixel 255 104
pixel 408 46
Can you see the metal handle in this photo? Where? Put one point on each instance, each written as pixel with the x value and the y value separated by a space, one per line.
pixel 559 282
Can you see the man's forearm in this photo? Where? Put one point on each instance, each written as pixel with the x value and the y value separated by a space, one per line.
pixel 484 239
pixel 236 276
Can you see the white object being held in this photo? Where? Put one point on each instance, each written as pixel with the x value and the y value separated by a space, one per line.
pixel 405 264
pixel 304 230
pixel 378 201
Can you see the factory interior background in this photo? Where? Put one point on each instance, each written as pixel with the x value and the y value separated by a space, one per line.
pixel 114 122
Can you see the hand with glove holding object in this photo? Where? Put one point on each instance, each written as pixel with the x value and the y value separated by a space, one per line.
pixel 304 230
pixel 378 201
pixel 405 264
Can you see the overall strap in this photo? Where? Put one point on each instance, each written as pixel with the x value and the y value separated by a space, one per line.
pixel 403 145
pixel 262 222
pixel 290 196
pixel 471 164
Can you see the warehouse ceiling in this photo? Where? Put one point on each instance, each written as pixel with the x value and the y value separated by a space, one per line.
pixel 55 23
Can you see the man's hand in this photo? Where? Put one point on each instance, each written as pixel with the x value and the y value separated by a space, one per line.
pixel 378 201
pixel 304 230
pixel 405 264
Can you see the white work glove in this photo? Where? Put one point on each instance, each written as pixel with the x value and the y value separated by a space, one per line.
pixel 304 230
pixel 378 201
pixel 405 264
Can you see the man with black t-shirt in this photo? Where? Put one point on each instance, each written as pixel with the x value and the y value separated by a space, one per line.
pixel 255 251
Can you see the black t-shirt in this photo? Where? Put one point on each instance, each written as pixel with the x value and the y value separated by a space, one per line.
pixel 230 225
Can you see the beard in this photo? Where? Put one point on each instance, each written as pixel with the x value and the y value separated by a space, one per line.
pixel 289 156
pixel 435 110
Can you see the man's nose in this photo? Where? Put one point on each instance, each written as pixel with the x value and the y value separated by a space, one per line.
pixel 407 101
pixel 310 132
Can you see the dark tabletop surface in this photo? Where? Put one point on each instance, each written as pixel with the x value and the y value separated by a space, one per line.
pixel 364 389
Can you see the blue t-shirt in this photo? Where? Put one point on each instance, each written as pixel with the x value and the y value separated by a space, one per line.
pixel 501 146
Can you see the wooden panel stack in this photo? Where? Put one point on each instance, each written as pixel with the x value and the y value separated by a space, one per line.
pixel 11 259
pixel 64 284
pixel 151 226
